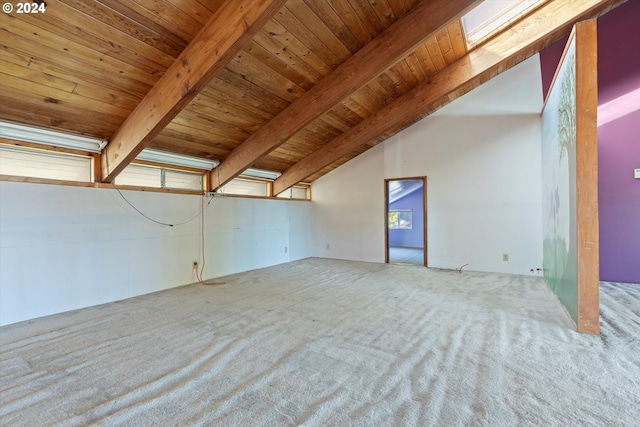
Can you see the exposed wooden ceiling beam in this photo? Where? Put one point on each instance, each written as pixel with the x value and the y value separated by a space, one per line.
pixel 233 25
pixel 524 39
pixel 423 22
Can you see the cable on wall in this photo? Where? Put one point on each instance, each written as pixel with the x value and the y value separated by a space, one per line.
pixel 138 210
pixel 200 212
pixel 202 228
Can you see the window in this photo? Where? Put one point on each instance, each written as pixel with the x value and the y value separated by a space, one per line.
pixel 491 15
pixel 139 176
pixel 400 219
pixel 246 187
pixel 181 180
pixel 155 177
pixel 297 193
pixel 36 163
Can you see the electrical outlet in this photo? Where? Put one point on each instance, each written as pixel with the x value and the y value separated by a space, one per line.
pixel 286 249
pixel 505 257
pixel 328 246
pixel 195 265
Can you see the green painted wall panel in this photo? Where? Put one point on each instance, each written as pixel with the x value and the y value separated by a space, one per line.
pixel 559 184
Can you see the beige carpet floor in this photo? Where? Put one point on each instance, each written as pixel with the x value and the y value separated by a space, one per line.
pixel 322 342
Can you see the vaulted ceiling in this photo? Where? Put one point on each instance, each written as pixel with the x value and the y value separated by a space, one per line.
pixel 294 86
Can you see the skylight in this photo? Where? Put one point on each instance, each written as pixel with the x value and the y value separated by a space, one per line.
pixel 491 15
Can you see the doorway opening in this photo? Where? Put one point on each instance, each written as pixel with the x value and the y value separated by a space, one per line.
pixel 406 221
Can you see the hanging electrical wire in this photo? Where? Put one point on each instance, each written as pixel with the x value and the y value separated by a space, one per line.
pixel 200 212
pixel 202 234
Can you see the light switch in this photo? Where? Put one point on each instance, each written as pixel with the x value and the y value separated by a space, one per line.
pixel 636 173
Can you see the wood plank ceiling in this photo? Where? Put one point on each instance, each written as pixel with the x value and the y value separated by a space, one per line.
pixel 84 66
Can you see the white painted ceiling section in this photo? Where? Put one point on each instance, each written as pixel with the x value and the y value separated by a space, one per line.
pixel 515 91
pixel 481 155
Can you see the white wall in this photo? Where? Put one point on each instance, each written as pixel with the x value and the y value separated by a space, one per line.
pixel 63 248
pixel 481 156
pixel 348 210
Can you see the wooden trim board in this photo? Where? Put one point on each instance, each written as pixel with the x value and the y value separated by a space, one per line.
pixel 587 176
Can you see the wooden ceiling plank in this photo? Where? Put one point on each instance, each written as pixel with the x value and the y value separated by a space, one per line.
pixel 345 114
pixel 336 121
pixel 166 14
pixel 457 39
pixel 547 24
pixel 232 105
pixel 365 100
pixel 295 27
pixel 336 25
pixel 233 80
pixel 94 34
pixel 257 73
pixel 20 111
pixel 211 137
pixel 196 10
pixel 91 117
pixel 133 12
pixel 365 11
pixel 425 21
pixel 272 165
pixel 108 95
pixel 205 138
pixel 54 82
pixel 57 96
pixel 279 65
pixel 353 22
pixel 316 134
pixel 416 68
pixel 57 109
pixel 290 43
pixel 446 47
pixel 191 148
pixel 218 109
pixel 294 151
pixel 275 48
pixel 358 110
pixel 41 42
pixel 128 25
pixel 412 3
pixel 223 87
pixel 212 5
pixel 422 53
pixel 384 12
pixel 392 83
pixel 435 53
pixel 316 26
pixel 217 43
pixel 197 120
pixel 377 93
pixel 404 71
pixel 375 85
pixel 177 137
pixel 37 76
pixel 400 7
pixel 324 133
pixel 9 55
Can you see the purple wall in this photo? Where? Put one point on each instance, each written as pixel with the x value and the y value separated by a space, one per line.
pixel 413 238
pixel 618 138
